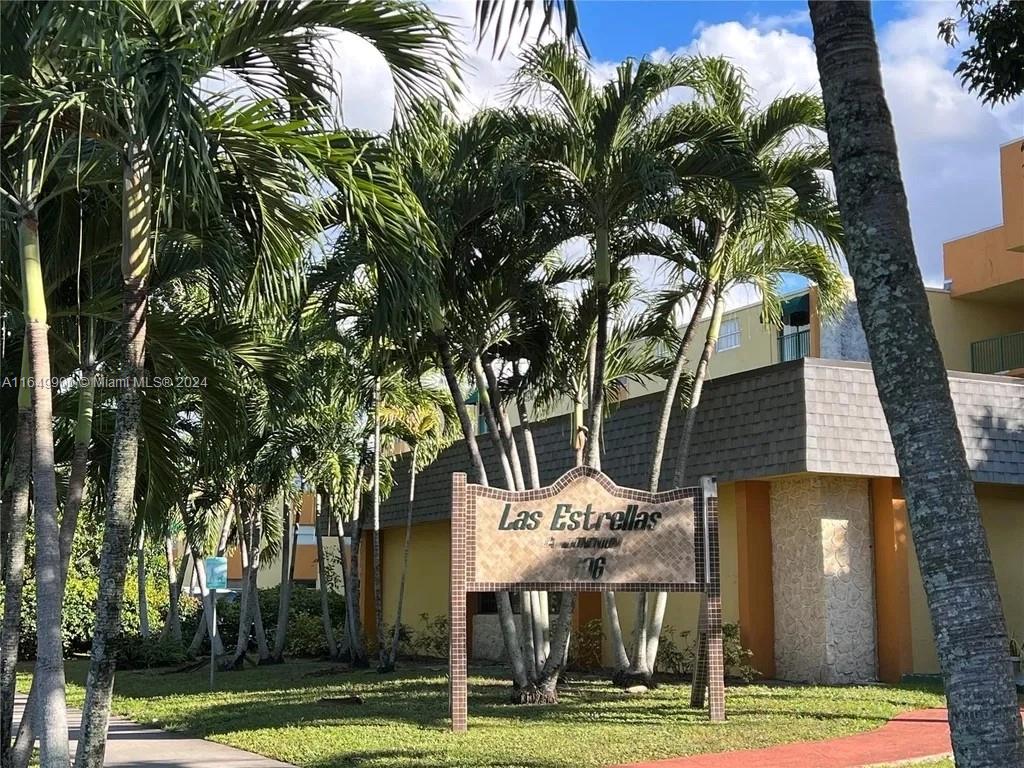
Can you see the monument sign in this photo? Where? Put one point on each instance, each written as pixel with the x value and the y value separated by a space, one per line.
pixel 586 534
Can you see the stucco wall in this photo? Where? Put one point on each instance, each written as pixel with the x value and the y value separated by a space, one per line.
pixel 842 338
pixel 1002 514
pixel 682 609
pixel 823 583
pixel 426 587
pixel 959 322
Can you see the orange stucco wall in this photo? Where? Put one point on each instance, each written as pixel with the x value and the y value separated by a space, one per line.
pixel 892 579
pixel 1011 169
pixel 994 258
pixel 754 560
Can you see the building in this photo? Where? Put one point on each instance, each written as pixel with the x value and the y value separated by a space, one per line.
pixel 818 565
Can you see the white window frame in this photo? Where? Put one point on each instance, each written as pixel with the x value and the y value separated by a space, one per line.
pixel 729 339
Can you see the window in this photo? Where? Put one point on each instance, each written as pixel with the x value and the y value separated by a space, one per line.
pixel 729 335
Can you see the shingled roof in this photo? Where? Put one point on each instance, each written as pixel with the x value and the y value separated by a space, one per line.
pixel 807 415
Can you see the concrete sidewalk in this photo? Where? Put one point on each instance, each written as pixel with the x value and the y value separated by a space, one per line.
pixel 138 746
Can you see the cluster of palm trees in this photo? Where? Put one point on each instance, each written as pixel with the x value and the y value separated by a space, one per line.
pixel 210 287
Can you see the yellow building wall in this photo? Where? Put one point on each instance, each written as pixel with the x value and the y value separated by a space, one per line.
pixel 1002 514
pixel 681 612
pixel 426 587
pixel 305 564
pixel 959 322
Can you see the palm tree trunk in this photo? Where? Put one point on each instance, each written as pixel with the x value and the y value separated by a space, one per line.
pixel 527 627
pixel 506 617
pixel 486 409
pixel 668 400
pixel 79 467
pixel 657 622
pixel 620 662
pixel 653 625
pixel 255 557
pixel 135 265
pixel 378 566
pixel 710 340
pixel 522 692
pixel 405 555
pixel 353 620
pixel 531 449
pixel 325 604
pixel 507 437
pixel 522 686
pixel 21 480
pixel 602 284
pixel 953 553
pixel 245 610
pixel 640 637
pixel 49 668
pixel 140 564
pixel 287 569
pixel 172 627
pixel 444 351
pixel 262 648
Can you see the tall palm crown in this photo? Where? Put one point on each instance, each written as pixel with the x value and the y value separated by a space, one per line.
pixel 785 220
pixel 609 155
pixel 789 200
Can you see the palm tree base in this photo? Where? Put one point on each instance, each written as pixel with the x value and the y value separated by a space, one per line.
pixel 545 693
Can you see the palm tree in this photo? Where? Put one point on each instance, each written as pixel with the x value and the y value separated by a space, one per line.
pixel 606 155
pixel 143 89
pixel 426 423
pixel 956 565
pixel 723 234
pixel 746 234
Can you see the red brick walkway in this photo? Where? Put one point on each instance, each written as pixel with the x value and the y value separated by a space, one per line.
pixel 911 735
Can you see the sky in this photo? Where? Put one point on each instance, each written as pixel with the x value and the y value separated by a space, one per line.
pixel 948 141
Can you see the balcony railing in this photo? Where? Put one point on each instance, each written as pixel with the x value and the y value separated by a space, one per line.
pixel 793 346
pixel 998 355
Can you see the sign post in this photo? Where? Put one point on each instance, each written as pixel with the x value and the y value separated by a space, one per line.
pixel 585 534
pixel 216 578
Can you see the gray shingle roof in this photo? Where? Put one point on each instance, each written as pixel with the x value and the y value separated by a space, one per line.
pixel 806 415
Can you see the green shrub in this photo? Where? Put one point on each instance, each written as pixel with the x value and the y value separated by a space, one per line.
pixel 432 639
pixel 305 627
pixel 585 645
pixel 137 652
pixel 677 654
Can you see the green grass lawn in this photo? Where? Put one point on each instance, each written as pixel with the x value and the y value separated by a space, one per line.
pixel 275 711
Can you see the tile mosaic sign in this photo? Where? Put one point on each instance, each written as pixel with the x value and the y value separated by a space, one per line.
pixel 585 534
pixel 585 531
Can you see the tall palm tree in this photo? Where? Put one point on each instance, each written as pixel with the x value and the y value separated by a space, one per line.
pixel 425 422
pixel 747 234
pixel 780 218
pixel 607 154
pixel 956 565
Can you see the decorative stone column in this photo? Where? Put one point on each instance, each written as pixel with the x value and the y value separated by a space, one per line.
pixel 822 568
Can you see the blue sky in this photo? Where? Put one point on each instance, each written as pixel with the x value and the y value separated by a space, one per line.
pixel 615 29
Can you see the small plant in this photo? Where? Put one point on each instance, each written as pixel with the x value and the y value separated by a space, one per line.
pixel 585 646
pixel 677 654
pixel 1015 647
pixel 137 652
pixel 432 639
